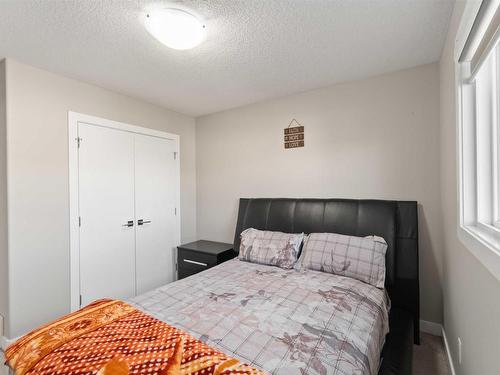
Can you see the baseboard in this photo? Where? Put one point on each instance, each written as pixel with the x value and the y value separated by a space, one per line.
pixel 448 352
pixel 432 328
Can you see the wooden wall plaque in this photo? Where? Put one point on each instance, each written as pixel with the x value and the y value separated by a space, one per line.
pixel 294 136
pixel 294 144
pixel 296 129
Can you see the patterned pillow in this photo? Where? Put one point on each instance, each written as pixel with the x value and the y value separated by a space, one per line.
pixel 362 258
pixel 272 248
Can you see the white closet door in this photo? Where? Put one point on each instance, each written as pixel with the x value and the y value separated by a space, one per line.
pixel 155 196
pixel 107 234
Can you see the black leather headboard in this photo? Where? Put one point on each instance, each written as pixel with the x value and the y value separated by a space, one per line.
pixel 395 221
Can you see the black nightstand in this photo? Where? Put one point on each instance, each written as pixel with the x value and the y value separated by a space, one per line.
pixel 201 255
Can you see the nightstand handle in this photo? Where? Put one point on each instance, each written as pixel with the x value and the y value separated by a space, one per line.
pixel 194 262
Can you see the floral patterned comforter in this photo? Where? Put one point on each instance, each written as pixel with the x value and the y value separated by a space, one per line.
pixel 282 321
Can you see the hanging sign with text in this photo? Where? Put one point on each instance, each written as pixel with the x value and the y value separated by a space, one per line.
pixel 294 136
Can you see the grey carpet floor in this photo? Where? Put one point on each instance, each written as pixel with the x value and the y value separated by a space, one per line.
pixel 429 358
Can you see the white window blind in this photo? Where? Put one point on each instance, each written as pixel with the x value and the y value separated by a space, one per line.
pixel 484 36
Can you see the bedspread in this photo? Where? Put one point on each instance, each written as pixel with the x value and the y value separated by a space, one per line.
pixel 282 321
pixel 113 338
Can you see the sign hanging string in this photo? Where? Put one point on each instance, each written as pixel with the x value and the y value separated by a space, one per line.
pixel 293 120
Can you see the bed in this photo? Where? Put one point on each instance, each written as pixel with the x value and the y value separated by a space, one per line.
pixel 281 321
pixel 292 322
pixel 285 321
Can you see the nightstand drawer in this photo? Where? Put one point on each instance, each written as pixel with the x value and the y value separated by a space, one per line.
pixel 186 268
pixel 196 258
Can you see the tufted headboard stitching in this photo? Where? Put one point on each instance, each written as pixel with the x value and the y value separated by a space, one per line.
pixel 395 221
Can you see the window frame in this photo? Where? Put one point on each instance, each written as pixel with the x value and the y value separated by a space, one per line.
pixel 496 148
pixel 480 238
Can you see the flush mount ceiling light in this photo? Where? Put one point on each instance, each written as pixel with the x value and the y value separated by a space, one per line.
pixel 175 28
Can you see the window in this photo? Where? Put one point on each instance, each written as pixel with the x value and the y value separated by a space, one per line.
pixel 481 99
pixel 479 136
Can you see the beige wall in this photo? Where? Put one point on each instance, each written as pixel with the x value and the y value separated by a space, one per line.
pixel 471 294
pixel 37 106
pixel 376 138
pixel 3 199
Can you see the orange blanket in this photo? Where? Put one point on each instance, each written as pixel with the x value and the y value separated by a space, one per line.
pixel 112 338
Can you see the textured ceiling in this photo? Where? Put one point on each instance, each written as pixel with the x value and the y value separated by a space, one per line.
pixel 255 49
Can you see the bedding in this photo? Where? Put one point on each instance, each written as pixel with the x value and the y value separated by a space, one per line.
pixel 110 337
pixel 269 247
pixel 362 258
pixel 282 321
pixel 113 338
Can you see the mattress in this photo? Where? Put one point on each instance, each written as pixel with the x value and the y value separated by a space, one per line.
pixel 281 321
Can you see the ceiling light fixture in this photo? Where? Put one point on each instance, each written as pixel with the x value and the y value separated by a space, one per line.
pixel 175 28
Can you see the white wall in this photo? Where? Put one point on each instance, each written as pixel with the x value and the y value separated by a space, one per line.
pixel 375 138
pixel 471 294
pixel 3 199
pixel 37 111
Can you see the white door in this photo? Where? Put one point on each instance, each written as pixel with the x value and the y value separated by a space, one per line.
pixel 106 200
pixel 155 197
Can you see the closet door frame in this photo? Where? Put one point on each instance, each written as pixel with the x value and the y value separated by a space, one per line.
pixel 74 119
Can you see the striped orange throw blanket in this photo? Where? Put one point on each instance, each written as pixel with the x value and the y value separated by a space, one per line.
pixel 113 338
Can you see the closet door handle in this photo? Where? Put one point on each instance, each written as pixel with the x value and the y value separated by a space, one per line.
pixel 130 223
pixel 141 222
